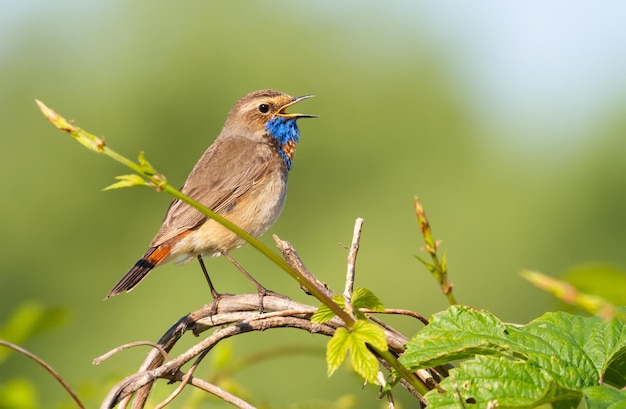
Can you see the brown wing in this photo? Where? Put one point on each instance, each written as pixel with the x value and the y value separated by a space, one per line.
pixel 224 173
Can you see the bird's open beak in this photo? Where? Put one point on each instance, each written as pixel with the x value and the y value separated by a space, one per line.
pixel 294 101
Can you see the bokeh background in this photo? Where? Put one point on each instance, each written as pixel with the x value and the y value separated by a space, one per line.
pixel 507 120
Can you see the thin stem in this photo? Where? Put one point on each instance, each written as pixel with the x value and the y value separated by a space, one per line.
pixel 159 182
pixel 217 391
pixel 184 381
pixel 397 311
pixel 438 268
pixel 351 268
pixel 98 360
pixel 402 370
pixel 47 367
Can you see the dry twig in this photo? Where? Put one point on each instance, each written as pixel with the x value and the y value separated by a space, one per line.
pixel 238 314
pixel 47 367
pixel 351 269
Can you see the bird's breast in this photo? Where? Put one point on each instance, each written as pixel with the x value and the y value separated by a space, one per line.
pixel 259 208
pixel 255 212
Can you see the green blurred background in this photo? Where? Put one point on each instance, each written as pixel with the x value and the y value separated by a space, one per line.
pixel 507 120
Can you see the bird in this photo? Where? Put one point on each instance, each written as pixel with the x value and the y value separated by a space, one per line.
pixel 242 176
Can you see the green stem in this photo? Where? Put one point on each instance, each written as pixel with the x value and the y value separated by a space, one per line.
pixel 402 370
pixel 98 145
pixel 266 251
pixel 444 283
pixel 451 299
pixel 437 268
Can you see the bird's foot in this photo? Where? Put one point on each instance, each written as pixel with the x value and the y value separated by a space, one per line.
pixel 263 292
pixel 217 297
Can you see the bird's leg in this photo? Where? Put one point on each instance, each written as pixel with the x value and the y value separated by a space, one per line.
pixel 262 290
pixel 216 296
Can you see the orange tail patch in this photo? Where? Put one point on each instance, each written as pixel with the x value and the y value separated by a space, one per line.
pixel 151 259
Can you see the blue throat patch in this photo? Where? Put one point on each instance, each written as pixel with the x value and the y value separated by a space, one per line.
pixel 284 130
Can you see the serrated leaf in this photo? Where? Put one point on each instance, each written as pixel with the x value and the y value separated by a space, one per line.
pixel 585 346
pixel 363 361
pixel 364 298
pixel 615 372
pixel 570 352
pixel 553 343
pixel 336 349
pixel 613 344
pixel 488 381
pixel 459 332
pixel 367 332
pixel 604 397
pixel 145 165
pixel 324 313
pixel 127 181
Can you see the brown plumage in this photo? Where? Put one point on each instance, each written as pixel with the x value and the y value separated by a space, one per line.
pixel 241 176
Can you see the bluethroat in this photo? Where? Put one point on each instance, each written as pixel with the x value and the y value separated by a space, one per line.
pixel 241 176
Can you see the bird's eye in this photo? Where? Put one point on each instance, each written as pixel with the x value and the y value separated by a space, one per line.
pixel 264 108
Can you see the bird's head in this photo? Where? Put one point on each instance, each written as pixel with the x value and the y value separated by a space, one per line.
pixel 263 114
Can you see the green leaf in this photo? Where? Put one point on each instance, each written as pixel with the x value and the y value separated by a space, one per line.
pixel 563 353
pixel 426 264
pixel 489 381
pixel 585 346
pixel 601 397
pixel 325 314
pixel 361 298
pixel 459 332
pixel 146 167
pixel 614 343
pixel 555 342
pixel 127 181
pixel 363 361
pixel 364 298
pixel 337 349
pixel 615 373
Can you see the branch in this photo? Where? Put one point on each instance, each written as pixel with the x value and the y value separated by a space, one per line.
pixel 242 318
pixel 239 310
pixel 350 273
pixel 395 340
pixel 293 259
pixel 148 176
pixel 103 357
pixel 215 390
pixel 47 367
pixel 235 314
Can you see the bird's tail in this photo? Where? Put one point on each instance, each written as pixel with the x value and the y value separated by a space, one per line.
pixel 151 259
